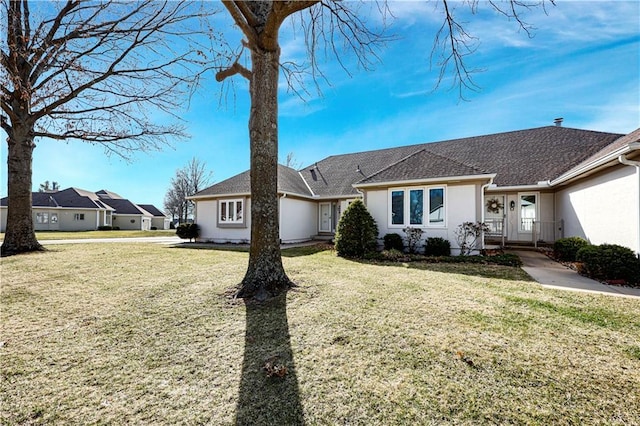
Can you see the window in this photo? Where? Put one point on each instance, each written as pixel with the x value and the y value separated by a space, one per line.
pixel 42 217
pixel 407 206
pixel 54 217
pixel 528 211
pixel 397 207
pixel 231 212
pixel 78 216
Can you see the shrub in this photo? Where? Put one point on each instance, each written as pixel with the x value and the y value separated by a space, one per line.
pixel 105 228
pixel 413 238
pixel 154 228
pixel 393 242
pixel 610 262
pixel 467 235
pixel 567 248
pixel 357 231
pixel 437 246
pixel 188 231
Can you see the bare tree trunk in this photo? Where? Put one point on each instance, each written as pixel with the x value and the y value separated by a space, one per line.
pixel 20 236
pixel 265 276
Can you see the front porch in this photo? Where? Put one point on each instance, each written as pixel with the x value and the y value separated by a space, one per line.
pixel 532 233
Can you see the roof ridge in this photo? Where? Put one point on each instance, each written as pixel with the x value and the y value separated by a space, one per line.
pixel 392 164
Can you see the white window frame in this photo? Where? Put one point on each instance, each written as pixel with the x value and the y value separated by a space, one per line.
pixel 234 220
pixel 78 216
pixel 426 208
pixel 42 217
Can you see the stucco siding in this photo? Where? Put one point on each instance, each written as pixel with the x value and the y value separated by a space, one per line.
pixel 460 206
pixel 70 220
pixel 602 208
pixel 207 220
pixel 298 219
pixel 132 222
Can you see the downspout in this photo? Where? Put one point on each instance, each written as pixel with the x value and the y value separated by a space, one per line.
pixel 624 160
pixel 482 189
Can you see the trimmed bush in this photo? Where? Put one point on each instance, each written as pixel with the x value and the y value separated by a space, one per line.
pixel 610 262
pixel 357 231
pixel 567 248
pixel 437 246
pixel 154 228
pixel 188 231
pixel 393 242
pixel 105 228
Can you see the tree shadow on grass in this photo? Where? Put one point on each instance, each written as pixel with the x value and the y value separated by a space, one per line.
pixel 269 393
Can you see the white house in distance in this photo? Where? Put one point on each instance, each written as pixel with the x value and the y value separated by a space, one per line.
pixel 529 186
pixel 75 209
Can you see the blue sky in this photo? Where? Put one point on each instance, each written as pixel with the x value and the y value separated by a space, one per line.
pixel 582 64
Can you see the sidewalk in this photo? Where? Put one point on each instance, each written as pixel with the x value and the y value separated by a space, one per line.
pixel 552 274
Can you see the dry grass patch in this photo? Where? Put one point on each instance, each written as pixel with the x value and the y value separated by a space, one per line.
pixel 85 235
pixel 138 333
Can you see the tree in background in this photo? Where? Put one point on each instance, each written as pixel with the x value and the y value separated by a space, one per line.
pixel 329 27
pixel 90 71
pixel 49 187
pixel 187 181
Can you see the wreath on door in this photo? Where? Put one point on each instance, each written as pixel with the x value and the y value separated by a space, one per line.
pixel 494 205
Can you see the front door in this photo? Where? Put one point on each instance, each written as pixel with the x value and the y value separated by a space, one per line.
pixel 325 218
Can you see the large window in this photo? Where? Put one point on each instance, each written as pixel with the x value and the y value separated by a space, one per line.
pixel 231 212
pixel 407 206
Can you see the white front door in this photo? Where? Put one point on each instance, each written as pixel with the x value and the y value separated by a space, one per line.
pixel 325 217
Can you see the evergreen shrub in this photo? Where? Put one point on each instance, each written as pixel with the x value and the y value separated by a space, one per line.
pixel 567 248
pixel 357 232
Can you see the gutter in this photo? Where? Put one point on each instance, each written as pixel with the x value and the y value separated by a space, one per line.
pixel 443 180
pixel 625 161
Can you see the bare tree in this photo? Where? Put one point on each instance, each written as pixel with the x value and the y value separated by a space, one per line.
pixel 47 186
pixel 90 71
pixel 187 181
pixel 329 26
pixel 292 161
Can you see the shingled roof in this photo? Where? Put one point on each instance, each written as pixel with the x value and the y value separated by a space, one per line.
pixel 75 198
pixel 517 158
pixel 289 181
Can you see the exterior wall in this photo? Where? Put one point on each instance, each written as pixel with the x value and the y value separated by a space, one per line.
pixel 460 206
pixel 298 219
pixel 602 208
pixel 66 219
pixel 207 220
pixel 132 222
pixel 160 222
pixel 67 222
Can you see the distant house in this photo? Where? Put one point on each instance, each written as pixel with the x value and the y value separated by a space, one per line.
pixel 530 186
pixel 159 219
pixel 75 209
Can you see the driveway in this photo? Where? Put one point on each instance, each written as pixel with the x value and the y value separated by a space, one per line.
pixel 157 240
pixel 552 274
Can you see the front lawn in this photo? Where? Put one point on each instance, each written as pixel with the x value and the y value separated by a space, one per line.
pixel 145 334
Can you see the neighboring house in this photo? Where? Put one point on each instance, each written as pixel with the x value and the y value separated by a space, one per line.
pixel 530 186
pixel 159 220
pixel 75 209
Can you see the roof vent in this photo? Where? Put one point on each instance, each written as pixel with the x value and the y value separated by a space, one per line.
pixel 558 121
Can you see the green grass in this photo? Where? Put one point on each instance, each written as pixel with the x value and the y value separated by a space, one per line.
pixel 64 235
pixel 145 334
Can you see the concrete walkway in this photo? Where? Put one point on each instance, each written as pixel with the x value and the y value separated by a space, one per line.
pixel 552 274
